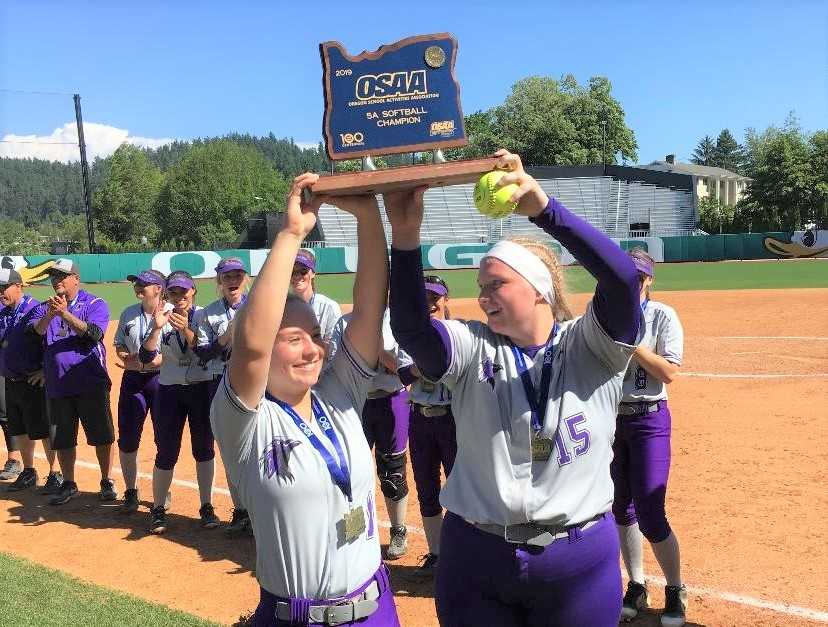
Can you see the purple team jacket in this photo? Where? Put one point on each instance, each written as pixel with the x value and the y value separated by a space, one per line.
pixel 73 364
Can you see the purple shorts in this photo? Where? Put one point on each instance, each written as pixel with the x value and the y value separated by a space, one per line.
pixel 385 422
pixel 484 580
pixel 178 404
pixel 385 616
pixel 433 443
pixel 139 393
pixel 640 470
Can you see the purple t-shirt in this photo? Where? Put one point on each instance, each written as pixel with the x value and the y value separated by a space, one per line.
pixel 21 351
pixel 72 363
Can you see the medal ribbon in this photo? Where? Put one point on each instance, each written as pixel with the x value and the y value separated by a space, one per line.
pixel 537 400
pixel 340 473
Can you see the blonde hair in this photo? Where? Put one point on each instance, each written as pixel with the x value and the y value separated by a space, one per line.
pixel 542 250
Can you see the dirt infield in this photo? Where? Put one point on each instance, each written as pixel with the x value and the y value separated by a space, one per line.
pixel 747 495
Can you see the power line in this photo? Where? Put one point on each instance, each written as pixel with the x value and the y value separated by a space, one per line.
pixel 36 93
pixel 15 141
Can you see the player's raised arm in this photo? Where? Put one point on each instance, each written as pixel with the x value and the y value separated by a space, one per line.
pixel 371 283
pixel 258 322
pixel 616 296
pixel 410 319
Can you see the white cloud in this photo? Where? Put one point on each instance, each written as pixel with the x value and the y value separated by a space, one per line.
pixel 62 145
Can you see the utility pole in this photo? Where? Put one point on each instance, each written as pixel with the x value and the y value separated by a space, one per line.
pixel 90 227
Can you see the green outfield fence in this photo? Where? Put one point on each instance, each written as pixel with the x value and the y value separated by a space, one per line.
pixel 201 264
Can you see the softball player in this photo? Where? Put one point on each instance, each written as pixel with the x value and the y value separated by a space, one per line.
pixel 213 345
pixel 385 423
pixel 303 283
pixel 139 385
pixel 528 538
pixel 641 464
pixel 183 396
pixel 431 435
pixel 292 440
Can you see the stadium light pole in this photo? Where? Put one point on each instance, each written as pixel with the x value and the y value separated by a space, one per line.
pixel 604 145
pixel 90 226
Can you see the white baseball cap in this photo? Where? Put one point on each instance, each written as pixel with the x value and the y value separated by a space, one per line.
pixel 64 266
pixel 10 276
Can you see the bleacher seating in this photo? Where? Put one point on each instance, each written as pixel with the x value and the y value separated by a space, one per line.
pixel 610 204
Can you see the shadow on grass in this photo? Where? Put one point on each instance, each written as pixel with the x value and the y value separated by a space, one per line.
pixel 85 511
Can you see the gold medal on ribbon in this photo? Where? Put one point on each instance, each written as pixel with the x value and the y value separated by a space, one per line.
pixel 541 449
pixel 354 523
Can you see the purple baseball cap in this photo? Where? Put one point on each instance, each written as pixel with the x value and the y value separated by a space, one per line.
pixel 181 279
pixel 436 288
pixel 306 259
pixel 229 265
pixel 148 277
pixel 644 266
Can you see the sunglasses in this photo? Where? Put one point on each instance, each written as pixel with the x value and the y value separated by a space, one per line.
pixel 300 271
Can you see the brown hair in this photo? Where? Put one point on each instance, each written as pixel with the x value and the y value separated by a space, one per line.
pixel 542 250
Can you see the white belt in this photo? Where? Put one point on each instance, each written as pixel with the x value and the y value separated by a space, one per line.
pixel 346 611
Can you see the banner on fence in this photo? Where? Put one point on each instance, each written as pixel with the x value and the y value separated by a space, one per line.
pixel 201 264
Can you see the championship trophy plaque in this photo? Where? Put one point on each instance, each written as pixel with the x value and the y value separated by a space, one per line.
pixel 401 98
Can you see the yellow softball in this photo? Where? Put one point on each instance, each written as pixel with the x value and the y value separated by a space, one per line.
pixel 493 201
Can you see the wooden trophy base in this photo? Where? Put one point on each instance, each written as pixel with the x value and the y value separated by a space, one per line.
pixel 404 177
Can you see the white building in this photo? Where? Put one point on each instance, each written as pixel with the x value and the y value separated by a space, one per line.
pixel 724 185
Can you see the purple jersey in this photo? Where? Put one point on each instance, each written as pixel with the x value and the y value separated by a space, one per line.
pixel 74 363
pixel 21 352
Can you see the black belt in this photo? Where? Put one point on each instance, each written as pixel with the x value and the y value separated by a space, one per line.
pixel 638 409
pixel 431 411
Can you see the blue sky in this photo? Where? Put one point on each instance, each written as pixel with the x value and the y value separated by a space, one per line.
pixel 184 69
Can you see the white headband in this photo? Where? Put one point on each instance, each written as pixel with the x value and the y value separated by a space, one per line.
pixel 527 265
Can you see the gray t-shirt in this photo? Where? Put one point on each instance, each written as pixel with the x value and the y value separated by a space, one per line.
pixel 664 335
pixel 494 479
pixel 296 509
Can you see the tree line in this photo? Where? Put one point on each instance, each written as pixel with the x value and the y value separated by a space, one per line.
pixel 789 186
pixel 200 193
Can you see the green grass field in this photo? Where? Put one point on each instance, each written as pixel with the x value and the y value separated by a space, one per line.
pixel 463 283
pixel 31 595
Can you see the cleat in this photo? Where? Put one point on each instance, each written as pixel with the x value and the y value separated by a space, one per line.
pixel 398 545
pixel 239 524
pixel 26 479
pixel 158 520
pixel 68 489
pixel 53 482
pixel 209 520
pixel 107 492
pixel 675 606
pixel 11 469
pixel 130 504
pixel 635 600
